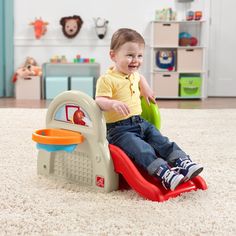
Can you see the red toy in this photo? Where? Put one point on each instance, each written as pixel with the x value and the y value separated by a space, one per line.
pixel 197 15
pixel 144 184
pixel 131 176
pixel 193 41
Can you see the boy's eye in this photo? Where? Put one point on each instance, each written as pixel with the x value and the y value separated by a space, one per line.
pixel 131 56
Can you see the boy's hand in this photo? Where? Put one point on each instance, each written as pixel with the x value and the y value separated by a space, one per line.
pixel 150 99
pixel 121 108
pixel 146 91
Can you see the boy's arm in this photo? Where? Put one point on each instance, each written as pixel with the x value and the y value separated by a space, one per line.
pixel 146 91
pixel 106 104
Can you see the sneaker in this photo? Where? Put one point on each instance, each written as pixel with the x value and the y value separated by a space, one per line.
pixel 170 177
pixel 188 168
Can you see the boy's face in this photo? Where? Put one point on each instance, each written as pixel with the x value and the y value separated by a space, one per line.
pixel 128 58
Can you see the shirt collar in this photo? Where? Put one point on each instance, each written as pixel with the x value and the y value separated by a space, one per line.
pixel 113 72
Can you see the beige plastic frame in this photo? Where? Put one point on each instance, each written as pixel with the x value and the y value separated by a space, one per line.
pixel 90 164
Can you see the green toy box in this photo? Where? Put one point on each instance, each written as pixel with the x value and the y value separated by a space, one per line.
pixel 190 86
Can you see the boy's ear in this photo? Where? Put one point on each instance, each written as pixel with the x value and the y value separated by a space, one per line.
pixel 112 55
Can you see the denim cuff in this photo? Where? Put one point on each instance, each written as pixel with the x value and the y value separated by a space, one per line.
pixel 175 155
pixel 154 166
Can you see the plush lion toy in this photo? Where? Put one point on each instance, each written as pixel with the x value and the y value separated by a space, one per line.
pixel 71 25
pixel 30 68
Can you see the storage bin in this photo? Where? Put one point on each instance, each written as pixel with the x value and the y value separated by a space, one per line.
pixel 28 88
pixel 166 84
pixel 190 86
pixel 55 85
pixel 189 59
pixel 165 34
pixel 83 84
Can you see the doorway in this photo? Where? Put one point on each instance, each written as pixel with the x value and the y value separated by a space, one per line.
pixel 6 48
pixel 222 49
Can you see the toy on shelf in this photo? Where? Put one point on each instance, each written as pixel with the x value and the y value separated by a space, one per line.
pixel 79 59
pixel 191 15
pixel 185 1
pixel 91 161
pixel 40 27
pixel 58 59
pixel 186 39
pixel 166 14
pixel 29 68
pixel 197 15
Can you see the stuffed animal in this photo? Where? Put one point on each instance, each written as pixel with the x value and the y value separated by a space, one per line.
pixel 71 25
pixel 186 39
pixel 166 14
pixel 30 68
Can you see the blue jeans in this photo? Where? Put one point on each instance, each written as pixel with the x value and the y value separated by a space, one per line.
pixel 143 143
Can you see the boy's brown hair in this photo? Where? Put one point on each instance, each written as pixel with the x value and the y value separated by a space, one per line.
pixel 124 35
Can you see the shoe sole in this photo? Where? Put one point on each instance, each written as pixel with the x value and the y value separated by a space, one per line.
pixel 193 173
pixel 179 180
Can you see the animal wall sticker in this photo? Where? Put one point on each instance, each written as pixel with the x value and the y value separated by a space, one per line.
pixel 40 27
pixel 71 25
pixel 101 26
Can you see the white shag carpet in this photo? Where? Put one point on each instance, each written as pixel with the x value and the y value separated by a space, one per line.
pixel 34 205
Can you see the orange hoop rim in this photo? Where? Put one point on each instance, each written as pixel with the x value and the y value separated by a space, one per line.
pixel 57 137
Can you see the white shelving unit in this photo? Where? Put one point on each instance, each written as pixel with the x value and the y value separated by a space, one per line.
pixel 183 76
pixel 58 77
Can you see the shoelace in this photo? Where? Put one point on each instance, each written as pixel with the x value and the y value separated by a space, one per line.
pixel 185 164
pixel 169 174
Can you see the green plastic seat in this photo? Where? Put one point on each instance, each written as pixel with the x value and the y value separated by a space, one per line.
pixel 151 113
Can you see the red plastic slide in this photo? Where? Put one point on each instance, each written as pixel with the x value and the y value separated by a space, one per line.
pixel 144 184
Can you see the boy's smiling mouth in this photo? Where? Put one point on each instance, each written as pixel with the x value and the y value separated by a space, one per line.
pixel 133 67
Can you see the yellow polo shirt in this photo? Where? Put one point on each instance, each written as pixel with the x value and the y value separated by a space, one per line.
pixel 120 87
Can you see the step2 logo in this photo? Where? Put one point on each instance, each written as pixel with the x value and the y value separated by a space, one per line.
pixel 100 181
